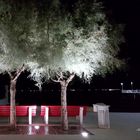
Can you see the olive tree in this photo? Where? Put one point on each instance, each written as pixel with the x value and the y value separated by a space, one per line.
pixel 81 42
pixel 14 52
pixel 13 66
pixel 54 43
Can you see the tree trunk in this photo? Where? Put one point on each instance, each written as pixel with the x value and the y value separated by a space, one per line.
pixel 64 84
pixel 64 114
pixel 13 82
pixel 12 103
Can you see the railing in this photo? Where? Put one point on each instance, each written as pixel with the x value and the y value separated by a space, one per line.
pixel 131 91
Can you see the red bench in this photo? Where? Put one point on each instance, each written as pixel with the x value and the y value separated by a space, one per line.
pixel 55 111
pixel 4 111
pixel 21 111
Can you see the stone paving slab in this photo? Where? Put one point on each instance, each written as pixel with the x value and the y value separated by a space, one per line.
pixel 42 130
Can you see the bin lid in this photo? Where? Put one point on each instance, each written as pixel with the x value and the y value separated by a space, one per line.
pixel 101 104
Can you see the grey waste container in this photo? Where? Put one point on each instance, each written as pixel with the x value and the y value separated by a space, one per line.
pixel 95 106
pixel 103 116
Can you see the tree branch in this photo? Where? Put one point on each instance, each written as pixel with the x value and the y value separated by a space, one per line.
pixel 57 81
pixel 60 75
pixel 19 72
pixel 11 76
pixel 70 78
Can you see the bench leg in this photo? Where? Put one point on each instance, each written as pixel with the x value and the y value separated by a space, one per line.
pixel 46 116
pixel 30 115
pixel 81 115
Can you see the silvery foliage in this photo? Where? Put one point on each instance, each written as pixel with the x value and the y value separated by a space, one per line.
pixel 86 54
pixel 37 73
pixel 57 45
pixel 68 48
pixel 12 57
pixel 3 52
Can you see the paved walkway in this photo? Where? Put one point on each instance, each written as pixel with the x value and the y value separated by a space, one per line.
pixel 123 126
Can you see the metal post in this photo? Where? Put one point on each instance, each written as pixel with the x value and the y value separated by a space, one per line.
pixel 122 85
pixel 131 85
pixel 30 115
pixel 46 116
pixel 81 115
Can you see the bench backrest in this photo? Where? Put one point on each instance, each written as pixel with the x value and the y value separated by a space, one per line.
pixel 55 111
pixel 20 111
pixel 24 110
pixel 4 111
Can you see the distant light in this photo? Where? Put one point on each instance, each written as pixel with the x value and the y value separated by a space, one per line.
pixel 72 89
pixel 84 134
pixel 37 127
pixel 121 84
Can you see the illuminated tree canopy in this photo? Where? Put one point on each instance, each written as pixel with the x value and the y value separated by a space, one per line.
pixel 81 42
pixel 55 42
pixel 45 36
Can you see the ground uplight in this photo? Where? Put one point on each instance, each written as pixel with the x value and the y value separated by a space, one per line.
pixel 84 134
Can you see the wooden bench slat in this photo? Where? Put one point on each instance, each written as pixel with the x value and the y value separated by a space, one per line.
pixel 4 111
pixel 20 111
pixel 55 111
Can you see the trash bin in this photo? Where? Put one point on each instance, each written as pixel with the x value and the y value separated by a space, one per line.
pixel 103 116
pixel 95 106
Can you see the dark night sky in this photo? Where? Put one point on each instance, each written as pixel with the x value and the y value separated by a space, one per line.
pixel 127 12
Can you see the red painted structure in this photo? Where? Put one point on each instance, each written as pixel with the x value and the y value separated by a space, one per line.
pixel 21 111
pixel 55 111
